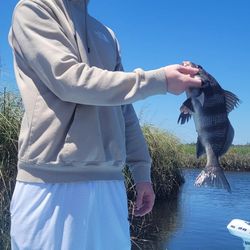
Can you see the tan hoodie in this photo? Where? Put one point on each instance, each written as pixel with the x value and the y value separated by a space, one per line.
pixel 79 123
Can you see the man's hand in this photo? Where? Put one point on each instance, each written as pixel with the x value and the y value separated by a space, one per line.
pixel 145 198
pixel 180 78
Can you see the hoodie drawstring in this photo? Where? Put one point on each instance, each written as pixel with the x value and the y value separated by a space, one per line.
pixel 86 26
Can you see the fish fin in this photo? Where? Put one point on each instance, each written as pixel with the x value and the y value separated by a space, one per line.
pixel 214 177
pixel 200 150
pixel 184 117
pixel 232 101
pixel 186 110
pixel 228 140
pixel 188 103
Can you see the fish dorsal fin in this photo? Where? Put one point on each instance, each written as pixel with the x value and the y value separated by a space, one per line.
pixel 232 101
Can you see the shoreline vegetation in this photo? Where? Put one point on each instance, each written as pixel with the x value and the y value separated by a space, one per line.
pixel 168 155
pixel 237 158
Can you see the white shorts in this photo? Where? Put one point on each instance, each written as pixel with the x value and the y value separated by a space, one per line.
pixel 70 216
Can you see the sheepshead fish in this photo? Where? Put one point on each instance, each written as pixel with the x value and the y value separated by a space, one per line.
pixel 210 106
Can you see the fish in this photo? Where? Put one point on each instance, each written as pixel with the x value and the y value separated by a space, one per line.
pixel 210 106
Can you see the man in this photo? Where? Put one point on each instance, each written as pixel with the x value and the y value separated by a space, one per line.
pixel 79 129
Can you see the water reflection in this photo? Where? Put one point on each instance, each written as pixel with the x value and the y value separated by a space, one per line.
pixel 153 231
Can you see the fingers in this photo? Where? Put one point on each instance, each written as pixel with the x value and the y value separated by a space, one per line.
pixel 190 74
pixel 181 77
pixel 138 203
pixel 192 81
pixel 186 63
pixel 187 70
pixel 145 209
pixel 144 201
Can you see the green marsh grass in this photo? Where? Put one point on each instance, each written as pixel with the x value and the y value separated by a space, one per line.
pixel 10 118
pixel 236 159
pixel 165 151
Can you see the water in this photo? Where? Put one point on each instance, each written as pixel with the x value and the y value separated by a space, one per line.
pixel 198 219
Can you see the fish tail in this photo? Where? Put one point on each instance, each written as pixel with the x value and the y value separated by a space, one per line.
pixel 213 176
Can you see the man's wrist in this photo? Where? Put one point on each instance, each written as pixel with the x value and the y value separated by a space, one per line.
pixel 141 174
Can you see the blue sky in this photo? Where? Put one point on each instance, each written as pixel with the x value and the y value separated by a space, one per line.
pixel 152 34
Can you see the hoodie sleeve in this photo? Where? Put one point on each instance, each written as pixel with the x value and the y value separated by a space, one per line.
pixel 138 158
pixel 38 38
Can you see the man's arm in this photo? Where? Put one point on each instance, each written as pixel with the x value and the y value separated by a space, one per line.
pixel 138 158
pixel 41 44
pixel 139 161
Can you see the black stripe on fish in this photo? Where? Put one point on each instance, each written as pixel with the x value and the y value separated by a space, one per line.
pixel 216 141
pixel 218 149
pixel 214 110
pixel 217 128
pixel 213 120
pixel 220 144
pixel 215 99
pixel 217 144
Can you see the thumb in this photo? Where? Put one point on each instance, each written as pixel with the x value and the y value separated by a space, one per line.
pixel 139 199
pixel 187 70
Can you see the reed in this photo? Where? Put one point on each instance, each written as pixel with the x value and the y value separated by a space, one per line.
pixel 236 159
pixel 166 153
pixel 10 118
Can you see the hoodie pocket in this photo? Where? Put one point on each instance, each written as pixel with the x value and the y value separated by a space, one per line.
pixel 96 135
pixel 51 119
pixel 34 119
